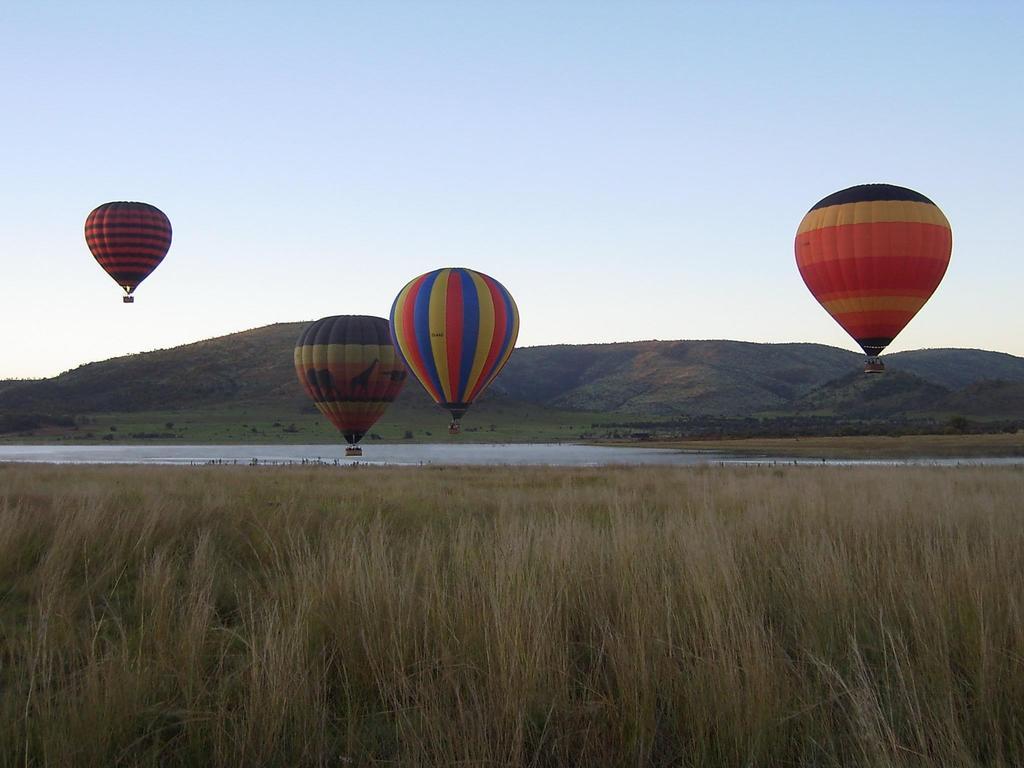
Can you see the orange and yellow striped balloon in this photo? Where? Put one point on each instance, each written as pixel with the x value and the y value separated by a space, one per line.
pixel 348 366
pixel 872 255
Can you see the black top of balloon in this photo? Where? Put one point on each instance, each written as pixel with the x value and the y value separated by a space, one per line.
pixel 863 193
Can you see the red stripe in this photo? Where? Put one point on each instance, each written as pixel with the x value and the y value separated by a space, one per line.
pixel 501 320
pixel 891 239
pixel 453 320
pixel 865 325
pixel 133 237
pixel 101 241
pixel 867 276
pixel 346 422
pixel 135 270
pixel 158 252
pixel 127 228
pixel 127 262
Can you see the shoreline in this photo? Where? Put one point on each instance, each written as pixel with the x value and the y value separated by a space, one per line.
pixel 943 449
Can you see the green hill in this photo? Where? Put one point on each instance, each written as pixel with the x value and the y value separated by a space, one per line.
pixel 856 395
pixel 242 386
pixel 672 378
pixel 986 397
pixel 958 368
pixel 254 365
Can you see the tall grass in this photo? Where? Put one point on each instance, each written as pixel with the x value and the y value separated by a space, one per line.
pixel 540 617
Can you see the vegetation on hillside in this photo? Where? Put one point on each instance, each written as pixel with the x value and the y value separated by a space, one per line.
pixel 244 384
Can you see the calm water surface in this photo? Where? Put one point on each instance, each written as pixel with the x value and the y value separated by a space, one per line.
pixel 423 453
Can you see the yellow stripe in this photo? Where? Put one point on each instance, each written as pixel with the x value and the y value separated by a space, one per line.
pixel 875 303
pixel 873 211
pixel 303 362
pixel 483 339
pixel 334 353
pixel 438 345
pixel 309 359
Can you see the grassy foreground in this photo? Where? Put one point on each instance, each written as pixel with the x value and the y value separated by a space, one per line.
pixel 548 617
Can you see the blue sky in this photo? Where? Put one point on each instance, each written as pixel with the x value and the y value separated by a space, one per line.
pixel 628 170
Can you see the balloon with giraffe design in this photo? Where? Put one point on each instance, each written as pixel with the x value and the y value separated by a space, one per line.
pixel 348 366
pixel 455 329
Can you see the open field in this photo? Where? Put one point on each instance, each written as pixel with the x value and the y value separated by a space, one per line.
pixel 671 617
pixel 487 422
pixel 261 423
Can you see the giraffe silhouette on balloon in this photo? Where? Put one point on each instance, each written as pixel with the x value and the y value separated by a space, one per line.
pixel 362 380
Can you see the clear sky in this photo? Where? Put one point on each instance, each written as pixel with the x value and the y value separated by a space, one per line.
pixel 628 170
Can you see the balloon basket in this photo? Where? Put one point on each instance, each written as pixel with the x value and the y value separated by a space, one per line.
pixel 454 428
pixel 128 299
pixel 353 450
pixel 873 365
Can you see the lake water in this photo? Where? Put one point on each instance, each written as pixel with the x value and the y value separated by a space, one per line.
pixel 562 455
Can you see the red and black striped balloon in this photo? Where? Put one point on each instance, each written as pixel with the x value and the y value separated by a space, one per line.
pixel 128 240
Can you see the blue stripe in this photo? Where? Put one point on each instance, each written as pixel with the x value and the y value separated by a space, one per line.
pixel 421 329
pixel 391 333
pixel 470 332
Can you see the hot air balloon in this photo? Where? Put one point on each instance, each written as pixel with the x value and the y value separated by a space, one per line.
pixel 128 240
pixel 872 255
pixel 348 365
pixel 454 328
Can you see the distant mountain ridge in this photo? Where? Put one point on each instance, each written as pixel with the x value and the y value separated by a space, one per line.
pixel 664 378
pixel 641 379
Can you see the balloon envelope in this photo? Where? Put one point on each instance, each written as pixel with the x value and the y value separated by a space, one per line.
pixel 348 366
pixel 872 255
pixel 455 328
pixel 128 240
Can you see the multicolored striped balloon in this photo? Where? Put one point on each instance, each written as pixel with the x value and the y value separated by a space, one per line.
pixel 872 255
pixel 128 240
pixel 348 366
pixel 454 328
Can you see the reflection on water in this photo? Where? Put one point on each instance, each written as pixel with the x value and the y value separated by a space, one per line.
pixel 427 453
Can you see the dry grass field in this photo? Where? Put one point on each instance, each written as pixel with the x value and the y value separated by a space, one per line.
pixel 531 617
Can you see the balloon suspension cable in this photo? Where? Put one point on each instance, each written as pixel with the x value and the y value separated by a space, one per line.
pixel 873 365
